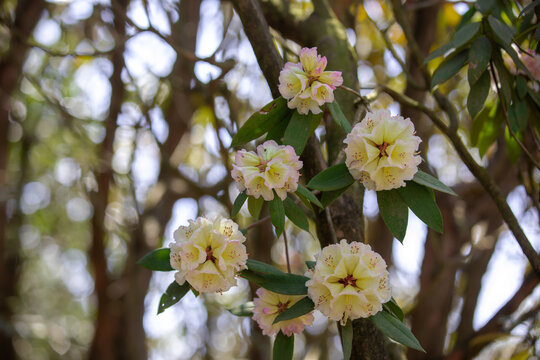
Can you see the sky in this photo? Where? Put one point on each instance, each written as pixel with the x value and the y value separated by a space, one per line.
pixel 147 53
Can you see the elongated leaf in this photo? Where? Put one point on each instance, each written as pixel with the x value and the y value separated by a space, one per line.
pixel 479 57
pixel 339 116
pixel 283 347
pixel 261 122
pixel 394 212
pixel 346 339
pixel 295 214
pixel 157 260
pixel 505 78
pixel 521 86
pixel 310 264
pixel 518 114
pixel 439 52
pixel 240 200
pixel 466 33
pixel 300 128
pixel 466 17
pixel 261 267
pixel 449 67
pixel 255 206
pixel 486 127
pixel 485 6
pixel 393 308
pixel 425 179
pixel 243 309
pixel 334 178
pixel 277 132
pixel 302 307
pixel 502 31
pixel 422 203
pixel 277 214
pixel 283 283
pixel 328 197
pixel 308 195
pixel 395 330
pixel 516 59
pixel 478 94
pixel 172 295
pixel 529 7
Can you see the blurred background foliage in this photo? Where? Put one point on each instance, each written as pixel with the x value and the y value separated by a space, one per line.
pixel 116 120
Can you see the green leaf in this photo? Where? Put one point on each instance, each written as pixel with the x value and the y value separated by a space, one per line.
pixel 157 260
pixel 529 7
pixel 295 214
pixel 517 60
pixel 534 95
pixel 243 309
pixel 466 33
pixel 478 94
pixel 310 264
pixel 328 197
pixel 394 212
pixel 240 200
pixel 485 6
pixel 422 203
pixel 395 330
pixel 339 116
pixel 393 308
pixel 518 114
pixel 261 122
pixel 172 295
pixel 439 52
pixel 283 347
pixel 346 339
pixel 512 147
pixel 282 283
pixel 486 127
pixel 502 32
pixel 302 307
pixel 300 128
pixel 334 178
pixel 479 58
pixel 505 78
pixel 521 86
pixel 466 17
pixel 255 206
pixel 449 67
pixel 262 268
pixel 425 179
pixel 277 132
pixel 277 214
pixel 308 195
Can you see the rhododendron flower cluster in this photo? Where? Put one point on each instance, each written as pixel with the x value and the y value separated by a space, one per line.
pixel 349 281
pixel 273 168
pixel 208 254
pixel 382 151
pixel 268 305
pixel 306 85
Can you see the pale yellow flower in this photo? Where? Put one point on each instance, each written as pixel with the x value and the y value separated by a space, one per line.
pixel 268 305
pixel 208 254
pixel 349 281
pixel 382 150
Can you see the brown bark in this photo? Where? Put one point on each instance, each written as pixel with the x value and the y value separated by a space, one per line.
pixel 107 329
pixel 27 15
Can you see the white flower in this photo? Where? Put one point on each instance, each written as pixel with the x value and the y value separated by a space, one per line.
pixel 208 254
pixel 382 151
pixel 268 305
pixel 273 167
pixel 348 281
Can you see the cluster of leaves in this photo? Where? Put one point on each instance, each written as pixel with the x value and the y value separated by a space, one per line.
pixel 488 32
pixel 277 122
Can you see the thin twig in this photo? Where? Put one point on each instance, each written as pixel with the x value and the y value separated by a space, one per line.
pixel 258 222
pixel 507 120
pixel 363 99
pixel 286 251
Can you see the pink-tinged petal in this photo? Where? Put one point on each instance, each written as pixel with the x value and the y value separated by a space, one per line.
pixel 322 93
pixel 332 78
pixel 308 58
pixel 292 80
